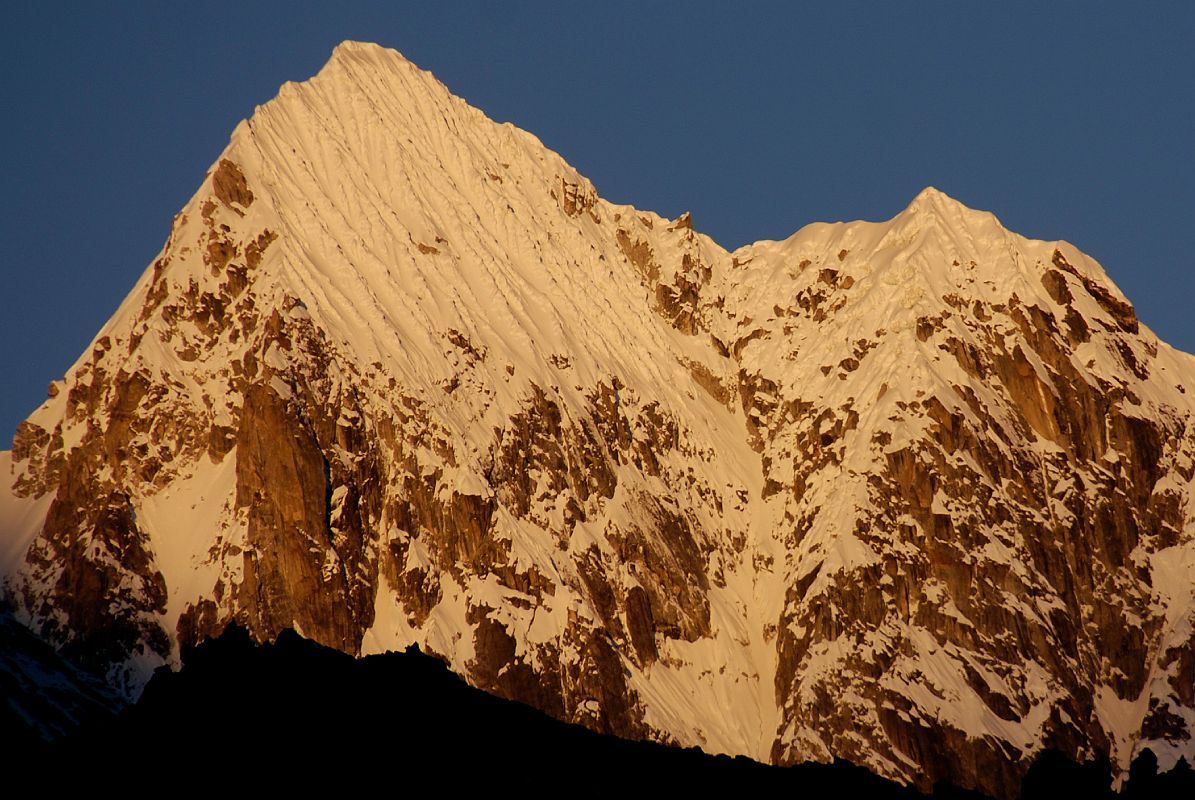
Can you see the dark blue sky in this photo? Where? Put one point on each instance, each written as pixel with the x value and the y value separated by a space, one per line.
pixel 1068 120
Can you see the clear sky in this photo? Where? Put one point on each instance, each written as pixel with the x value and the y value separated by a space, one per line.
pixel 1069 120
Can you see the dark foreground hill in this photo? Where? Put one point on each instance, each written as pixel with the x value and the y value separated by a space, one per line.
pixel 294 713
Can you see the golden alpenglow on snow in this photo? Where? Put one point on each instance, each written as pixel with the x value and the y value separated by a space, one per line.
pixel 915 493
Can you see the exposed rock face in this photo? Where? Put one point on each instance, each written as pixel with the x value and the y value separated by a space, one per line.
pixel 916 494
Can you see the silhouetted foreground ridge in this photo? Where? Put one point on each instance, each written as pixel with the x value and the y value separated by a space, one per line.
pixel 295 711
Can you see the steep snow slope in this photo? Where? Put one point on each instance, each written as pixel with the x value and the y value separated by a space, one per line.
pixel 914 493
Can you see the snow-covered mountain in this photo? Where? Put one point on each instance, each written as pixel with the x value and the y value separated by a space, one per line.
pixel 916 493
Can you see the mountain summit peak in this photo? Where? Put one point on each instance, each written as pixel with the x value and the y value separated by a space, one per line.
pixel 352 47
pixel 934 200
pixel 931 194
pixel 965 226
pixel 368 58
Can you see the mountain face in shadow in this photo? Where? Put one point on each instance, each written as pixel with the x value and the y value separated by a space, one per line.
pixel 295 713
pixel 305 707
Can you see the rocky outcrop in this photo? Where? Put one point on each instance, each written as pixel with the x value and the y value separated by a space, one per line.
pixel 229 186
